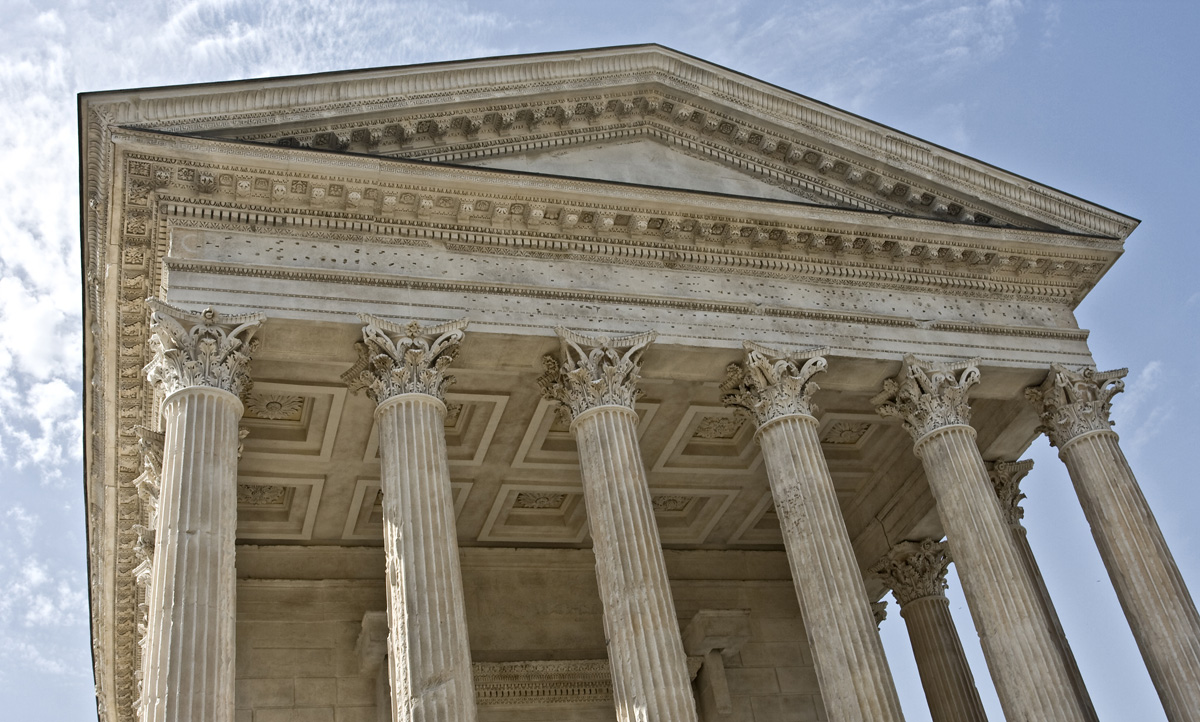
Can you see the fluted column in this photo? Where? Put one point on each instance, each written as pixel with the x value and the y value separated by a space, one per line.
pixel 595 381
pixel 916 574
pixel 1074 407
pixel 776 389
pixel 1031 680
pixel 200 364
pixel 429 656
pixel 1006 481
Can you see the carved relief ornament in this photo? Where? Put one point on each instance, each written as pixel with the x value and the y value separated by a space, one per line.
pixel 772 384
pixel 914 570
pixel 1006 479
pixel 1072 403
pixel 927 397
pixel 200 349
pixel 409 359
pixel 594 371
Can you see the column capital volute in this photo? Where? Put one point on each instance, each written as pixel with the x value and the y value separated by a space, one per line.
pixel 594 371
pixel 1071 403
pixel 914 570
pixel 770 384
pixel 396 359
pixel 204 348
pixel 928 396
pixel 1006 479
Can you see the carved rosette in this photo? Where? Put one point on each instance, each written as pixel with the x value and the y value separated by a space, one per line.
pixel 927 397
pixel 914 570
pixel 772 384
pixel 1006 479
pixel 200 349
pixel 410 359
pixel 594 371
pixel 1072 403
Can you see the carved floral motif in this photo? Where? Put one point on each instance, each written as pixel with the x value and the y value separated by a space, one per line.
pixel 200 349
pixel 594 371
pixel 1006 479
pixel 538 500
pixel 670 502
pixel 845 433
pixel 772 384
pixel 411 359
pixel 1071 403
pixel 914 570
pixel 718 427
pixel 275 407
pixel 261 494
pixel 928 396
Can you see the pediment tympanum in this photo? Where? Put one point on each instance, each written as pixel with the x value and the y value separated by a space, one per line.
pixel 576 113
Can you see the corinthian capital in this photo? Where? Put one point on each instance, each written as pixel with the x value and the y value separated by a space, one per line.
pixel 411 359
pixel 914 570
pixel 1006 480
pixel 200 349
pixel 594 371
pixel 772 384
pixel 928 396
pixel 1071 403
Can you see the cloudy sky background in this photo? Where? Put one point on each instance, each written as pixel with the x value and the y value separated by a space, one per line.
pixel 1095 98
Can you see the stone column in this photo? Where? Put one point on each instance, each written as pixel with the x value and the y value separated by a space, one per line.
pixel 916 574
pixel 595 381
pixel 1006 480
pixel 403 369
pixel 1031 679
pixel 200 364
pixel 1074 407
pixel 776 389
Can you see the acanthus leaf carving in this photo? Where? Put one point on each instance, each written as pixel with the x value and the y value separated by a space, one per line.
pixel 200 349
pixel 1006 479
pixel 1072 403
pixel 409 359
pixel 594 371
pixel 914 570
pixel 927 396
pixel 772 384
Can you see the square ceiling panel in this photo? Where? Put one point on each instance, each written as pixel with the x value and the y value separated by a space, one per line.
pixel 277 507
pixel 365 520
pixel 708 439
pixel 549 443
pixel 292 420
pixel 471 421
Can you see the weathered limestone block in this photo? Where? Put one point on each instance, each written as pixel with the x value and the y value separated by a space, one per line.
pixel 596 381
pixel 1032 681
pixel 1074 407
pixel 200 364
pixel 776 390
pixel 916 574
pixel 402 368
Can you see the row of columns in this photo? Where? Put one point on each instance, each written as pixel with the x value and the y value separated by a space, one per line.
pixel 200 364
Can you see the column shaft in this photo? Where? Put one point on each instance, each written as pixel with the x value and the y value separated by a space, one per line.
pixel 429 656
pixel 649 668
pixel 1031 679
pixel 856 684
pixel 190 673
pixel 1151 590
pixel 945 676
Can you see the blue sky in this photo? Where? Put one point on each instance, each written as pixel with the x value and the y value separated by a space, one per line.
pixel 1096 98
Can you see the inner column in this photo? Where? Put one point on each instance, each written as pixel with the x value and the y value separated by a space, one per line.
pixel 776 390
pixel 595 382
pixel 429 657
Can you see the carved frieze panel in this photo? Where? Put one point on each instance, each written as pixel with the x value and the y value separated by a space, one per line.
pixel 364 522
pixel 471 422
pixel 278 507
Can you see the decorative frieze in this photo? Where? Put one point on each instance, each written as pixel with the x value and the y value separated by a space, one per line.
pixel 1072 403
pixel 200 349
pixel 914 570
pixel 927 397
pixel 540 683
pixel 772 384
pixel 409 359
pixel 594 371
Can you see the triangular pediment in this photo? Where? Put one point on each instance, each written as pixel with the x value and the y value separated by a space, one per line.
pixel 613 114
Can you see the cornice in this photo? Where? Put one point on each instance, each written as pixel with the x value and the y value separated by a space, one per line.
pixel 193 109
